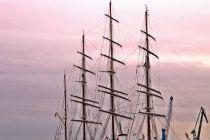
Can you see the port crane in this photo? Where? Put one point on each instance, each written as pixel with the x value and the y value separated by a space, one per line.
pixel 194 132
pixel 165 130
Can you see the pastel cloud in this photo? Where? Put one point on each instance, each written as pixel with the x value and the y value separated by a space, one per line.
pixel 39 39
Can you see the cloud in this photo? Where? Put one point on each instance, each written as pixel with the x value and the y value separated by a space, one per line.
pixel 39 39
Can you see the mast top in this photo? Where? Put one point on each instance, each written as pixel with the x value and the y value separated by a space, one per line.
pixel 146 7
pixel 146 10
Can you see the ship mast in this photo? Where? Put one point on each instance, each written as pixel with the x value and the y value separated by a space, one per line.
pixel 147 70
pixel 83 87
pixel 65 107
pixel 111 69
pixel 111 90
pixel 83 100
pixel 64 120
pixel 150 92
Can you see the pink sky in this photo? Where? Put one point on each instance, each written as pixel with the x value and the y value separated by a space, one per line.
pixel 39 39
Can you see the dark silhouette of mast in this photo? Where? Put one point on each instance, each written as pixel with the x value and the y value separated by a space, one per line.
pixel 150 92
pixel 83 100
pixel 63 118
pixel 65 108
pixel 111 90
pixel 111 69
pixel 83 87
pixel 147 65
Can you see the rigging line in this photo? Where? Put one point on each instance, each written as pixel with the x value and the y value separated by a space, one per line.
pixel 169 44
pixel 172 126
pixel 98 115
pixel 124 24
pixel 94 50
pixel 118 33
pixel 133 105
pixel 105 29
pixel 155 85
pixel 118 83
pixel 181 104
pixel 77 132
pixel 99 63
pixel 102 46
pixel 129 96
pixel 90 108
pixel 124 68
pixel 90 132
pixel 181 62
pixel 70 77
pixel 61 91
pixel 159 83
pixel 154 82
pixel 135 111
pixel 131 53
pixel 60 97
pixel 180 91
pixel 129 37
pixel 195 103
pixel 177 137
pixel 178 123
pixel 183 107
pixel 92 44
pixel 101 136
pixel 92 28
pixel 99 59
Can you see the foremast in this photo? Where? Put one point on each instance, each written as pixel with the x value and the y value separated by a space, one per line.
pixel 83 100
pixel 149 91
pixel 111 89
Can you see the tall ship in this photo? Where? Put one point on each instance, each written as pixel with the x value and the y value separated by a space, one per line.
pixel 115 108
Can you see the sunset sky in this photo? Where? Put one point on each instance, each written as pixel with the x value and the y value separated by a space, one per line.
pixel 39 39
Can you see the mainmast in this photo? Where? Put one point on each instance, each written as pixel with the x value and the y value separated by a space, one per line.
pixel 147 70
pixel 111 69
pixel 150 92
pixel 83 100
pixel 111 90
